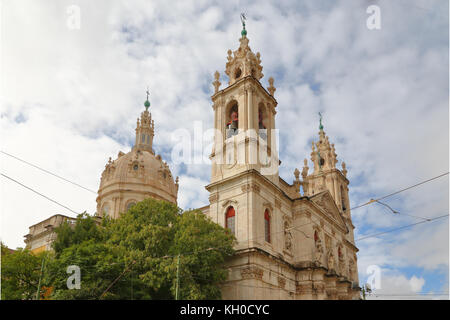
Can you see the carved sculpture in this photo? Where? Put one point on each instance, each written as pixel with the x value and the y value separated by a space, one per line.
pixel 331 262
pixel 287 236
pixel 271 88
pixel 216 83
pixel 318 249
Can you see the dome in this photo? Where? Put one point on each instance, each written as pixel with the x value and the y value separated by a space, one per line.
pixel 132 177
pixel 136 175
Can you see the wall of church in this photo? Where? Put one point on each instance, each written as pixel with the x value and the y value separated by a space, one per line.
pixel 257 275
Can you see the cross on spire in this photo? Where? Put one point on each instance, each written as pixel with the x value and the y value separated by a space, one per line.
pixel 147 103
pixel 320 121
pixel 243 18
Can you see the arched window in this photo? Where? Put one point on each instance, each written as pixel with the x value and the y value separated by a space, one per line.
pixel 233 121
pixel 129 205
pixel 238 73
pixel 230 219
pixel 262 122
pixel 105 210
pixel 267 225
pixel 321 161
pixel 344 207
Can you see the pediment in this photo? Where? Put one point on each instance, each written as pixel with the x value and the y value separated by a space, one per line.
pixel 325 203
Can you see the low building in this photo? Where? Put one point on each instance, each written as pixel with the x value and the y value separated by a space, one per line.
pixel 42 234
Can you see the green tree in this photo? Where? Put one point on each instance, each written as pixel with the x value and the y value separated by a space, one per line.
pixel 85 228
pixel 20 273
pixel 138 254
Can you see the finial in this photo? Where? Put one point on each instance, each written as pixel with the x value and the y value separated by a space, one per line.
pixel 271 88
pixel 305 169
pixel 229 57
pixel 243 18
pixel 147 103
pixel 344 169
pixel 296 174
pixel 320 126
pixel 216 83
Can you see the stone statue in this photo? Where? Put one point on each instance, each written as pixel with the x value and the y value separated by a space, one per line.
pixel 287 237
pixel 351 269
pixel 331 262
pixel 319 251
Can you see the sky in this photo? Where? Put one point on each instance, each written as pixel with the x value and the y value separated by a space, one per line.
pixel 73 82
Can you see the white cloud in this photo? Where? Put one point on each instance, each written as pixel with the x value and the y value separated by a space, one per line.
pixel 394 286
pixel 71 98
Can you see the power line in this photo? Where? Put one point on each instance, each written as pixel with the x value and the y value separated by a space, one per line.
pixel 46 171
pixel 115 280
pixel 42 195
pixel 396 192
pixel 399 228
pixel 404 214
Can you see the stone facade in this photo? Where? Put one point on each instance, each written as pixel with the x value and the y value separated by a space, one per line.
pixel 294 241
pixel 41 235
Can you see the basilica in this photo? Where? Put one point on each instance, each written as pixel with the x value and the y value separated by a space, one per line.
pixel 294 239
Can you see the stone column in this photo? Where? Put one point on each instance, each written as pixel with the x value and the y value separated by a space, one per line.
pixel 337 197
pixel 250 108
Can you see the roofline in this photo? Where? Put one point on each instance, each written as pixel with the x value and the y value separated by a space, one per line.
pixel 61 215
pixel 249 77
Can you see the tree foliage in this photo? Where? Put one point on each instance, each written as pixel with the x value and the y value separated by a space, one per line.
pixel 136 255
pixel 20 273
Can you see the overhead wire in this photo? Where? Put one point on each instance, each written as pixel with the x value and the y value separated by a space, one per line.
pixel 47 171
pixel 400 228
pixel 37 192
pixel 399 191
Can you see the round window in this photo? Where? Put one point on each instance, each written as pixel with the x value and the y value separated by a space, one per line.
pixel 136 167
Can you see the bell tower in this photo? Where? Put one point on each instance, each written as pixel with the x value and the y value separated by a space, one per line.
pixel 278 229
pixel 325 175
pixel 244 157
pixel 244 118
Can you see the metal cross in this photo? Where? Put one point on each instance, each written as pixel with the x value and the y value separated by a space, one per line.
pixel 243 18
